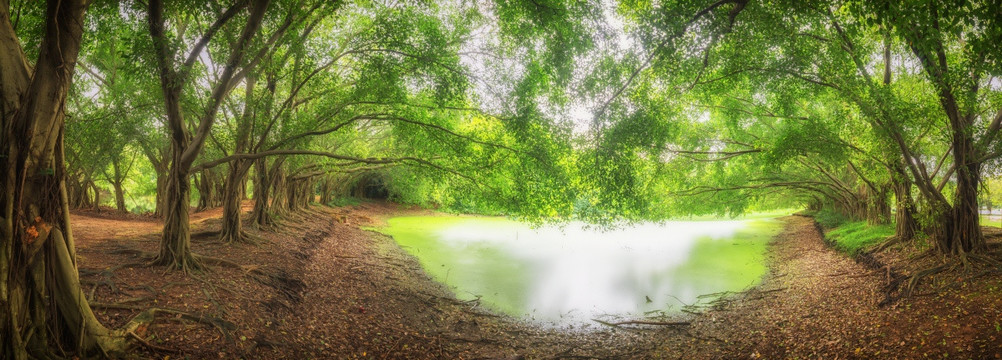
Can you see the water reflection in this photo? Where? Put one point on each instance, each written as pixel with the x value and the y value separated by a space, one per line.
pixel 575 273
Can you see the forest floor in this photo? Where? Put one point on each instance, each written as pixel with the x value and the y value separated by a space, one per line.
pixel 319 286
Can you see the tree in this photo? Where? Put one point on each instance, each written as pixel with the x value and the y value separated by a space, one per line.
pixel 175 246
pixel 814 63
pixel 40 292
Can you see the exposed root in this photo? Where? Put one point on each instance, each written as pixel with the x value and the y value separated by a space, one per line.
pixel 240 237
pixel 188 264
pixel 914 280
pixel 147 314
pixel 891 241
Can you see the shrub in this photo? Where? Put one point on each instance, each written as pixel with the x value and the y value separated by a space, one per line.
pixel 829 218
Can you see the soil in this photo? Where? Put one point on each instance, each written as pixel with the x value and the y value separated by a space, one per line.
pixel 319 286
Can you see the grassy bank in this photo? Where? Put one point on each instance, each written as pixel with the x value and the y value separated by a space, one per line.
pixel 857 236
pixel 851 237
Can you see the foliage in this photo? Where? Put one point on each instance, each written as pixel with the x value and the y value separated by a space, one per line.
pixel 830 218
pixel 345 201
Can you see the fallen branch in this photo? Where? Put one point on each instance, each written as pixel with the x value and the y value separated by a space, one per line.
pixel 643 322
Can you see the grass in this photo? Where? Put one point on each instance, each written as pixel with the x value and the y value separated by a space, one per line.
pixel 988 221
pixel 855 237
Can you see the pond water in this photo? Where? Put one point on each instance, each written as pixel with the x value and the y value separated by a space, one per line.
pixel 572 274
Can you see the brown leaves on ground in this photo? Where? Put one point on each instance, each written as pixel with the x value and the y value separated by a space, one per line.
pixel 324 288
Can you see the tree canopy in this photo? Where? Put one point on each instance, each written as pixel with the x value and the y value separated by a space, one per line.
pixel 885 111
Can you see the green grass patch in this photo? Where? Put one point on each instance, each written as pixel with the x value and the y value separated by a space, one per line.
pixel 854 237
pixel 992 221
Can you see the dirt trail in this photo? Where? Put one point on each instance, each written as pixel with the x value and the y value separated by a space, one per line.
pixel 333 290
pixel 821 304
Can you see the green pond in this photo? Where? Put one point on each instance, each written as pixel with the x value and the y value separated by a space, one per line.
pixel 569 274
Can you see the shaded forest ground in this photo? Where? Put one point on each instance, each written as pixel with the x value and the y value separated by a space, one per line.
pixel 321 287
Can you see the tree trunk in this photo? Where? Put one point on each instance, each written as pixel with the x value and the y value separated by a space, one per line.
pixel 235 188
pixel 205 189
pixel 964 234
pixel 175 240
pixel 879 211
pixel 43 307
pixel 116 182
pixel 262 187
pixel 97 195
pixel 904 215
pixel 279 193
pixel 232 230
pixel 119 197
pixel 243 188
pixel 175 244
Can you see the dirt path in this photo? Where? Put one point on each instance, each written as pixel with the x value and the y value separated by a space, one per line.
pixel 818 303
pixel 336 291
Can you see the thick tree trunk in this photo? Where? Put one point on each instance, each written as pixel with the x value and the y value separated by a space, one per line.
pixel 904 215
pixel 235 187
pixel 279 193
pixel 964 234
pixel 175 240
pixel 77 193
pixel 244 195
pixel 262 187
pixel 43 307
pixel 879 211
pixel 119 197
pixel 175 244
pixel 232 230
pixel 205 186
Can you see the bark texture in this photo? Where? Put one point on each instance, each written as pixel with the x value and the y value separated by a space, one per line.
pixel 43 307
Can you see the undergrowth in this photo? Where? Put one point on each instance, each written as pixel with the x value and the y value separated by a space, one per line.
pixel 345 201
pixel 830 219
